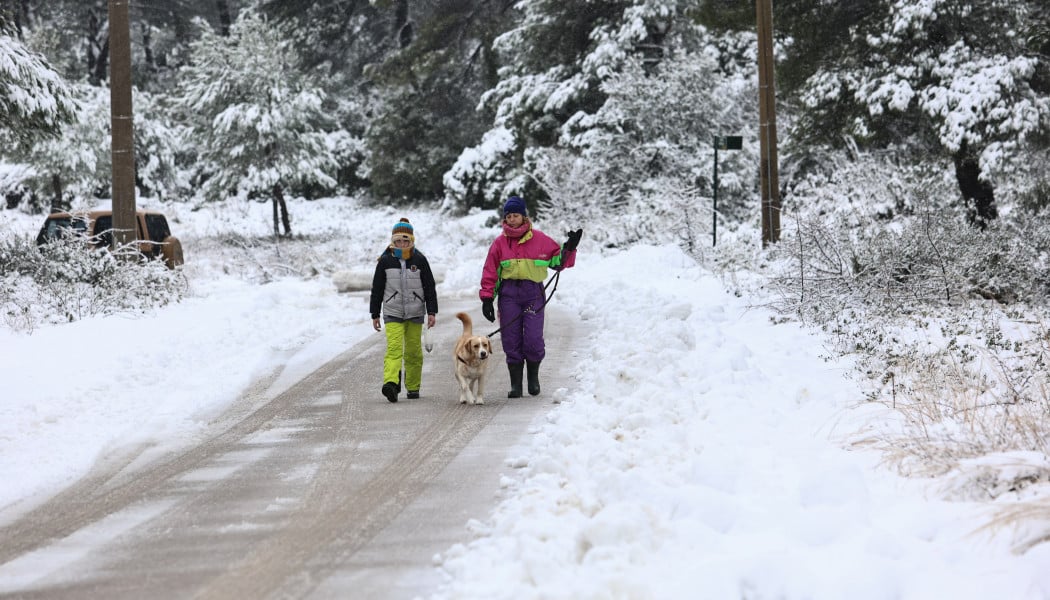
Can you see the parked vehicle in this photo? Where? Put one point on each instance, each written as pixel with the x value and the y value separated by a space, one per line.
pixel 153 236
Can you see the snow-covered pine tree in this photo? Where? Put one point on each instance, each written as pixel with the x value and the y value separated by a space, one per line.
pixel 34 100
pixel 968 79
pixel 257 119
pixel 654 134
pixel 554 62
pixel 69 165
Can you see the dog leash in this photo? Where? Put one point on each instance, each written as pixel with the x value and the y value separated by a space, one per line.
pixel 554 279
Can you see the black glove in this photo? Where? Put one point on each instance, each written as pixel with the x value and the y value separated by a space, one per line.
pixel 573 241
pixel 487 310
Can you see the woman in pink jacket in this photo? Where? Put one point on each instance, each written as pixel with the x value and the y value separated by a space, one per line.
pixel 514 271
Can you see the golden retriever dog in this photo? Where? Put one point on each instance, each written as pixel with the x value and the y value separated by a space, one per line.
pixel 471 360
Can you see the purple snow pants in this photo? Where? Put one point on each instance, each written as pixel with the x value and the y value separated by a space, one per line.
pixel 521 319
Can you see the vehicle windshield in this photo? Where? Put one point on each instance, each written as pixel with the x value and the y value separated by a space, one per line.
pixel 59 226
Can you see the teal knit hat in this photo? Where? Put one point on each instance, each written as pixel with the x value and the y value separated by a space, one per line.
pixel 403 230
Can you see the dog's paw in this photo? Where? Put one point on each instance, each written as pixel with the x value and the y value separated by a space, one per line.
pixel 479 401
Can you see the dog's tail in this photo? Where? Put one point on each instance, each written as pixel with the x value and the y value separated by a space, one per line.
pixel 468 325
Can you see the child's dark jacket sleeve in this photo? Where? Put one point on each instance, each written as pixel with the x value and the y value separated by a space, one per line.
pixel 429 288
pixel 375 302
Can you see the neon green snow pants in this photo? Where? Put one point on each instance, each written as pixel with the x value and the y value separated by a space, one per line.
pixel 404 342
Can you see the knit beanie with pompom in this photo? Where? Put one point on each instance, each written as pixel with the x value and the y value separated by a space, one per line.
pixel 403 231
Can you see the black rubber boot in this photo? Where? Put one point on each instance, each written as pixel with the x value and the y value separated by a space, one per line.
pixel 515 379
pixel 390 391
pixel 533 369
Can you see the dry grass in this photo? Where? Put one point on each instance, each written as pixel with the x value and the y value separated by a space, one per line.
pixel 978 422
pixel 968 379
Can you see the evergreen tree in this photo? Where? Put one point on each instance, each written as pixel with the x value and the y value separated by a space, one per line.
pixel 963 78
pixel 430 89
pixel 257 119
pixel 419 68
pixel 75 162
pixel 61 131
pixel 34 99
pixel 554 61
pixel 659 124
pixel 341 36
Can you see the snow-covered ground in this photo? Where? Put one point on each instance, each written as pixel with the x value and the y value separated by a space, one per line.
pixel 702 453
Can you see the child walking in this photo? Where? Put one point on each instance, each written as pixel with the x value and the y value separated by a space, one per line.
pixel 403 290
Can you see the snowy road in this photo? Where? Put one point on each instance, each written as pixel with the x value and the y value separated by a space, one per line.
pixel 324 490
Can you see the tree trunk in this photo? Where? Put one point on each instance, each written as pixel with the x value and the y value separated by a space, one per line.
pixel 102 64
pixel 276 228
pixel 9 20
pixel 286 221
pixel 402 26
pixel 224 17
pixel 58 202
pixel 98 48
pixel 979 195
pixel 14 17
pixel 147 48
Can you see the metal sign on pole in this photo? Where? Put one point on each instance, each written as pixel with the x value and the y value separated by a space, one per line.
pixel 731 142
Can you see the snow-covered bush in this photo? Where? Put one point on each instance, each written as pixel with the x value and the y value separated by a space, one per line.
pixel 923 264
pixel 482 176
pixel 156 150
pixel 13 190
pixel 947 323
pixel 63 281
pixel 865 190
pixel 661 122
pixel 657 210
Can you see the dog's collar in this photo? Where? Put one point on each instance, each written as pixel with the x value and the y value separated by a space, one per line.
pixel 460 359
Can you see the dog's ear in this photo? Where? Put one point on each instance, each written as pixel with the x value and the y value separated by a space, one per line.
pixel 463 351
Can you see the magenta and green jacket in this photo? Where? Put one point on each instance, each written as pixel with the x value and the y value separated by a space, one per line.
pixel 527 257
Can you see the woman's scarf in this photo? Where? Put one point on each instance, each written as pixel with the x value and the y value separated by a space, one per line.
pixel 519 232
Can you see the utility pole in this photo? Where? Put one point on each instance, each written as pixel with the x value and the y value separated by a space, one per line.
pixel 767 126
pixel 123 141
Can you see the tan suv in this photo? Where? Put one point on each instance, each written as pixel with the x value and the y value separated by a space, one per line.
pixel 153 235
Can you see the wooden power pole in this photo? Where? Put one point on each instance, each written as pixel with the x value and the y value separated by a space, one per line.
pixel 123 141
pixel 767 125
